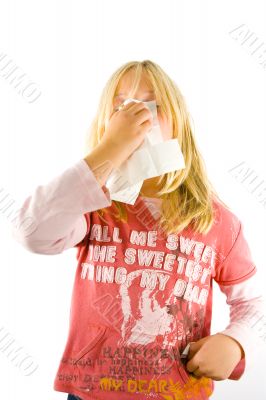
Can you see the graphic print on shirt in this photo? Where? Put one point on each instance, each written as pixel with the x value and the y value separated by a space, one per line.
pixel 156 305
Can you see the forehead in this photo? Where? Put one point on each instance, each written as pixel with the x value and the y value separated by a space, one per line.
pixel 142 93
pixel 125 83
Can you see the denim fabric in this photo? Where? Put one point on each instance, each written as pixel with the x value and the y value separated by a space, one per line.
pixel 73 397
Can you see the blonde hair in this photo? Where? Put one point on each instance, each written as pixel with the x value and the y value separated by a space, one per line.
pixel 187 194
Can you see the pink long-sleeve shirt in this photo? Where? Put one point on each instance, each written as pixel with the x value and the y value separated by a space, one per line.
pixel 139 296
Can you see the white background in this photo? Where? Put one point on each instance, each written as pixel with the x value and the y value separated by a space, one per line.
pixel 69 49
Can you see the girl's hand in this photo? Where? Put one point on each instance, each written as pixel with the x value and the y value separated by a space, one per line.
pixel 127 127
pixel 124 134
pixel 214 356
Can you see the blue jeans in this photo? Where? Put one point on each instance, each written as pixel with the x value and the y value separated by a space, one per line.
pixel 73 397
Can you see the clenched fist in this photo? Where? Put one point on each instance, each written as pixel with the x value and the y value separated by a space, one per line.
pixel 214 356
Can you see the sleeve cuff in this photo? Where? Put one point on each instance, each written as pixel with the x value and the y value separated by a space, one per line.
pixel 241 335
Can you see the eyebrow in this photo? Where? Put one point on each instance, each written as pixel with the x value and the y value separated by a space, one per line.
pixel 124 94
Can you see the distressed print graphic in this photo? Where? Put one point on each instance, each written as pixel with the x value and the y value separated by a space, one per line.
pixel 157 308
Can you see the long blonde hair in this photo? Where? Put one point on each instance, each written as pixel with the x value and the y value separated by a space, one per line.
pixel 187 194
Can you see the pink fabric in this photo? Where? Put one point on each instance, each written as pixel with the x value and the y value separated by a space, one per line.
pixel 139 296
pixel 247 305
pixel 58 210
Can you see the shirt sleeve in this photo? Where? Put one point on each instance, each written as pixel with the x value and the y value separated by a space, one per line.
pixel 247 310
pixel 237 265
pixel 56 216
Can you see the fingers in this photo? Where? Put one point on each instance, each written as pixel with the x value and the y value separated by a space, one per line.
pixel 135 107
pixel 142 114
pixel 139 111
pixel 196 364
pixel 194 367
pixel 196 346
pixel 193 364
pixel 197 372
pixel 205 359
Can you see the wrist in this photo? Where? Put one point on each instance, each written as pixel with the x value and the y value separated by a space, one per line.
pixel 113 152
pixel 102 160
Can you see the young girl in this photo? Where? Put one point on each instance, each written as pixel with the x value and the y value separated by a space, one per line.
pixel 142 298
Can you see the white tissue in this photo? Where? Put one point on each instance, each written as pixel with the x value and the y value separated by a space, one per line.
pixel 154 157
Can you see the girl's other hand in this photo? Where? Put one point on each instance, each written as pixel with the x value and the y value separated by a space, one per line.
pixel 214 356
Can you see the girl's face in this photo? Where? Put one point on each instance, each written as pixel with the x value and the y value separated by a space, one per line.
pixel 144 93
